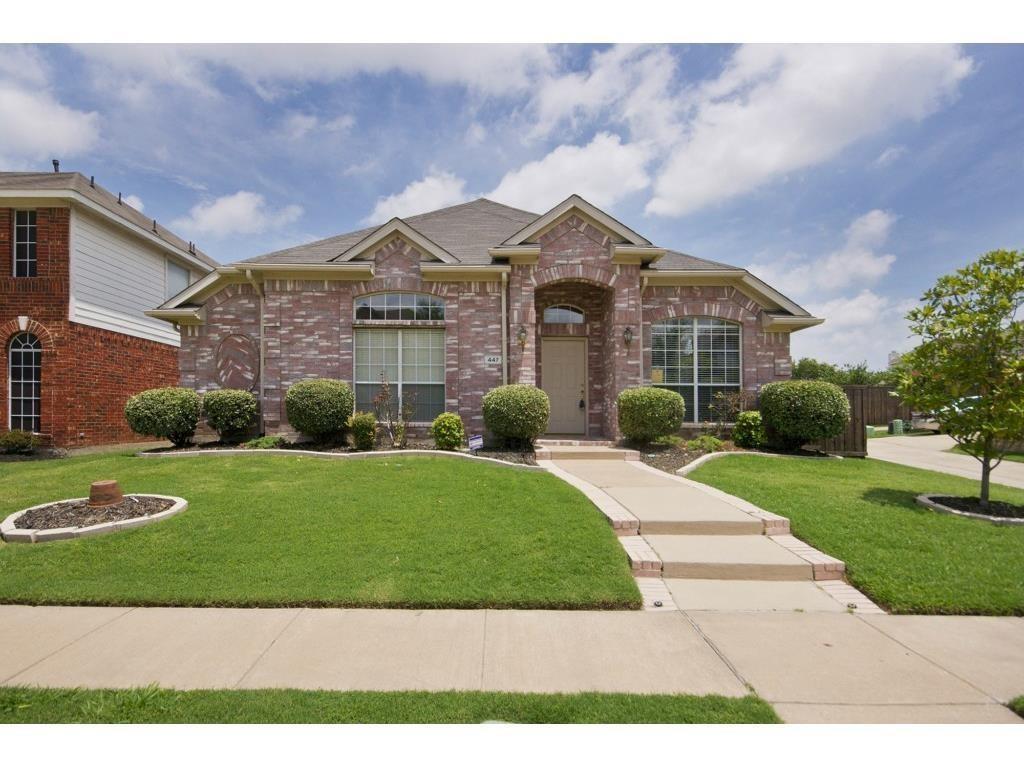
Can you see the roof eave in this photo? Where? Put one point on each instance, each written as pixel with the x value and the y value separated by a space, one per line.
pixel 391 228
pixel 589 209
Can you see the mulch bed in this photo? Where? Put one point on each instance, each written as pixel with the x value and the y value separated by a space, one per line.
pixel 973 504
pixel 78 514
pixel 669 458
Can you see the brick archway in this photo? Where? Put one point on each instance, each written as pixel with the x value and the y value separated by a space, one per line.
pixel 12 328
pixel 575 273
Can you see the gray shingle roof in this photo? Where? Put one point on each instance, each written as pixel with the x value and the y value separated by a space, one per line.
pixel 108 201
pixel 466 231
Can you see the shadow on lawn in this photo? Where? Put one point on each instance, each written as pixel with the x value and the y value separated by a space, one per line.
pixel 893 497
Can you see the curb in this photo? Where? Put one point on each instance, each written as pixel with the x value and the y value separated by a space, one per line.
pixel 925 500
pixel 328 455
pixel 14 535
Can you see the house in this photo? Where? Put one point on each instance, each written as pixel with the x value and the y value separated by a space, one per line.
pixel 82 267
pixel 449 304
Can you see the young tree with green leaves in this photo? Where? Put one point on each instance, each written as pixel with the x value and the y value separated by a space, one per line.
pixel 969 368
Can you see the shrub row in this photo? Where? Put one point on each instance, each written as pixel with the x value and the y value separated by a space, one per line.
pixel 172 413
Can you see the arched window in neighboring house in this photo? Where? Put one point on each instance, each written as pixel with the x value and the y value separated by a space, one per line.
pixel 564 313
pixel 24 376
pixel 696 357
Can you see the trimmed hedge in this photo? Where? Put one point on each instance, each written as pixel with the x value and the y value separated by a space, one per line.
pixel 646 413
pixel 319 408
pixel 364 430
pixel 799 412
pixel 171 413
pixel 18 441
pixel 231 413
pixel 449 431
pixel 748 431
pixel 517 412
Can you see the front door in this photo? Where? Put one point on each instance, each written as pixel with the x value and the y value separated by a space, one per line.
pixel 564 378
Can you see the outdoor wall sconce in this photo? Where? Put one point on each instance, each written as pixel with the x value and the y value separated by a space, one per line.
pixel 521 336
pixel 627 336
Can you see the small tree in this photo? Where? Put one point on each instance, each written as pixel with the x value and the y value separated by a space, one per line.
pixel 969 368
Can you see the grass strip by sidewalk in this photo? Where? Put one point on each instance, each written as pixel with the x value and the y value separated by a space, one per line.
pixel 904 556
pixel 279 531
pixel 157 705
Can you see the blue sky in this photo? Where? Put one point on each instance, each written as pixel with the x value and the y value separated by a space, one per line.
pixel 848 176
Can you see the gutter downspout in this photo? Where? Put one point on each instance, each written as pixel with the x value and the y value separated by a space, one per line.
pixel 258 287
pixel 504 328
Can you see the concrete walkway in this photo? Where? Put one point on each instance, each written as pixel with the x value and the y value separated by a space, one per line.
pixel 932 452
pixel 812 666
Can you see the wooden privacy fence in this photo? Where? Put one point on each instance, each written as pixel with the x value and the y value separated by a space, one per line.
pixel 869 404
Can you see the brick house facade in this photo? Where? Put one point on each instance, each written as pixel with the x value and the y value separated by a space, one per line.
pixel 629 313
pixel 86 372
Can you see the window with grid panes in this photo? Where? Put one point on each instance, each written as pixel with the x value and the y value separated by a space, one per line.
pixel 24 244
pixel 24 376
pixel 411 359
pixel 696 357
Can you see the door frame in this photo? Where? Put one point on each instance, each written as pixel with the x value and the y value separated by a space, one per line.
pixel 586 374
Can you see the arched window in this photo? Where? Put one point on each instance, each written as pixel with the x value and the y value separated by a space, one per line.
pixel 24 376
pixel 399 306
pixel 696 357
pixel 564 313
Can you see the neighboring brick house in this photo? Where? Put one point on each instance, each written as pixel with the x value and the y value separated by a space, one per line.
pixel 81 267
pixel 452 303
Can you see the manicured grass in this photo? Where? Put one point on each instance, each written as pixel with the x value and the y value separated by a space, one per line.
pixel 906 557
pixel 155 705
pixel 287 531
pixel 1011 456
pixel 1017 705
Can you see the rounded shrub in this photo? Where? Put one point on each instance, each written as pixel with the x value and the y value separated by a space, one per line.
pixel 748 431
pixel 517 412
pixel 18 441
pixel 799 412
pixel 171 413
pixel 231 413
pixel 646 413
pixel 705 444
pixel 319 408
pixel 364 430
pixel 449 431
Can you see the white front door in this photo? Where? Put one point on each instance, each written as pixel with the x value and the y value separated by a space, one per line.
pixel 564 378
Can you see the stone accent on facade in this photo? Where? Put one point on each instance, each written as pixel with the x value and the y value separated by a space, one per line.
pixel 88 373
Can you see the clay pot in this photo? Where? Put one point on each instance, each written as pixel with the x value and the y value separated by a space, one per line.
pixel 103 493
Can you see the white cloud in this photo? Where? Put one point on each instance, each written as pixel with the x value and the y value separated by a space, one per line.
pixel 134 201
pixel 778 109
pixel 625 84
pixel 487 68
pixel 23 64
pixel 858 262
pixel 865 326
pixel 298 125
pixel 475 134
pixel 35 126
pixel 438 190
pixel 889 155
pixel 603 172
pixel 243 213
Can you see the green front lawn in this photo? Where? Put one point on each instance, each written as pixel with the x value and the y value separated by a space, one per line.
pixel 905 557
pixel 155 705
pixel 287 531
pixel 1011 456
pixel 1017 705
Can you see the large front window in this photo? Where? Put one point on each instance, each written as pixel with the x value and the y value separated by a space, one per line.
pixel 697 357
pixel 25 366
pixel 411 359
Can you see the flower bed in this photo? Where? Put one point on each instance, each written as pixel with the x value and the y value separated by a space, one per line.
pixel 74 518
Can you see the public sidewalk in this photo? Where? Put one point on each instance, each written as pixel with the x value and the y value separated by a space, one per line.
pixel 932 452
pixel 813 667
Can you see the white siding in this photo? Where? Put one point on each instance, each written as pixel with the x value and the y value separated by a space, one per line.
pixel 115 277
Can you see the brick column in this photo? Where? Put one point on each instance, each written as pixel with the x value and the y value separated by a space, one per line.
pixel 522 313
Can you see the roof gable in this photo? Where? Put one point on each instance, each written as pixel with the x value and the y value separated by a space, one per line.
pixel 390 229
pixel 538 226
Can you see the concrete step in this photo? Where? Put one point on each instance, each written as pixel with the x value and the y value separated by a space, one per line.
pixel 547 442
pixel 584 453
pixel 739 595
pixel 681 509
pixel 752 558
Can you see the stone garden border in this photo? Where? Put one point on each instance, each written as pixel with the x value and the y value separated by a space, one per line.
pixel 13 535
pixel 330 455
pixel 687 469
pixel 925 500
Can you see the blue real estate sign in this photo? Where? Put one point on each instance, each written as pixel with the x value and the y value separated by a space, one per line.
pixel 476 442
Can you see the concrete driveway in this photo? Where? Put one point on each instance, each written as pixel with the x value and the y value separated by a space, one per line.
pixel 932 452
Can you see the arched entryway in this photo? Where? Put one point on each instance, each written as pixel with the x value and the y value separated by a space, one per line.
pixel 572 349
